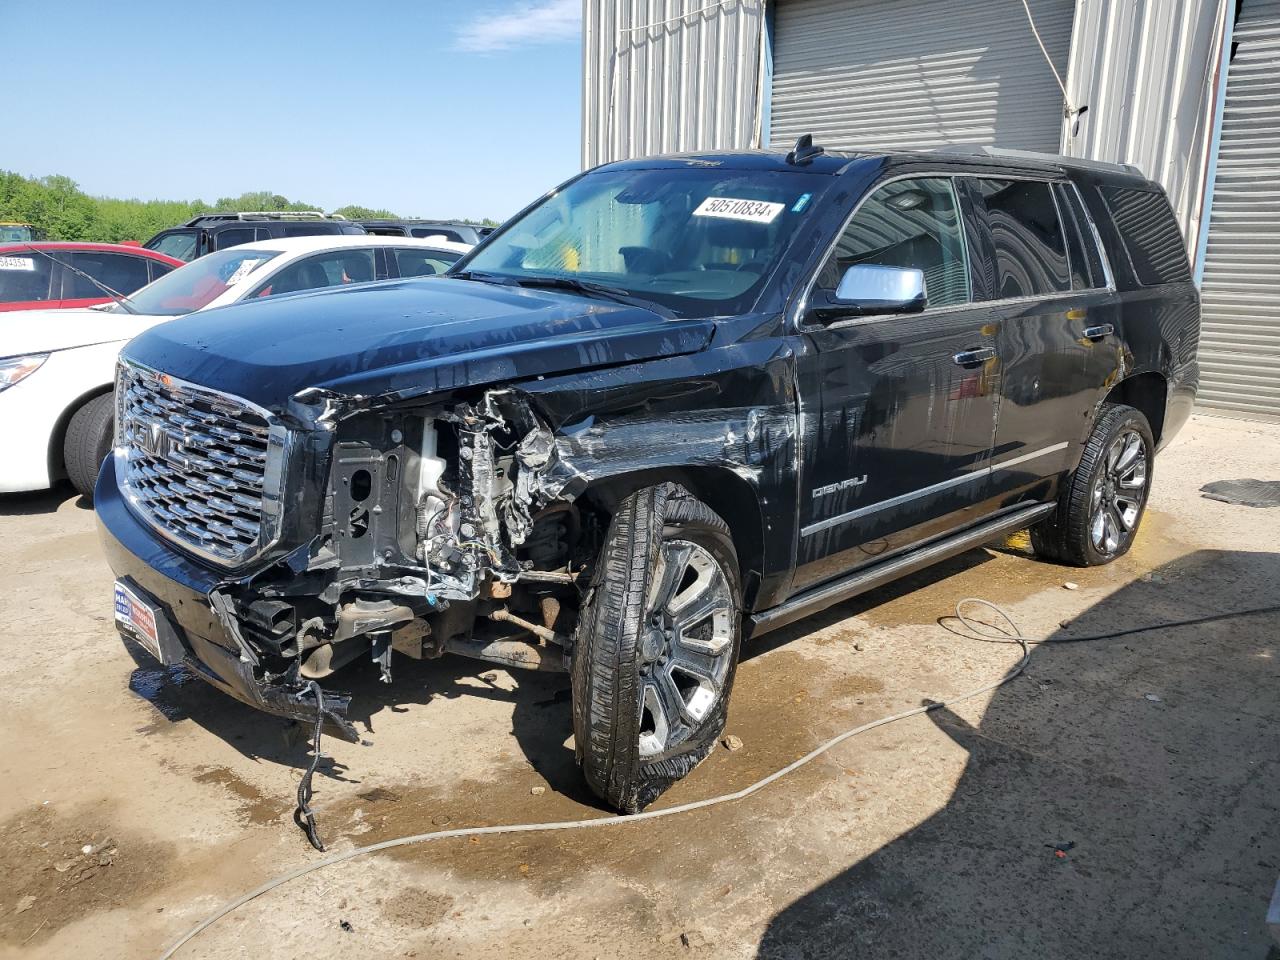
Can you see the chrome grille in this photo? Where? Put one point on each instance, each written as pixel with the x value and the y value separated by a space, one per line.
pixel 203 468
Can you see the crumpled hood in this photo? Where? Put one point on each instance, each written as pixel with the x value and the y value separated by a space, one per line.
pixel 407 338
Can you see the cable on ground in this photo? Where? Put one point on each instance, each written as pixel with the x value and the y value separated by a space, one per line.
pixel 983 630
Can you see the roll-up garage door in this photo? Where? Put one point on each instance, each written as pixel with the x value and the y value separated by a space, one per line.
pixel 1240 339
pixel 918 73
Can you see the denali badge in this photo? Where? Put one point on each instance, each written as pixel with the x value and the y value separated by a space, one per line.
pixel 838 486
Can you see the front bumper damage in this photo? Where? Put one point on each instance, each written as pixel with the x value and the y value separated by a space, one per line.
pixel 360 577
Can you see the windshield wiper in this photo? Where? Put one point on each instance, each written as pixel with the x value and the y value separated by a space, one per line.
pixel 481 276
pixel 115 295
pixel 616 294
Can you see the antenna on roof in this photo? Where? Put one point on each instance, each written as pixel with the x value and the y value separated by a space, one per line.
pixel 804 151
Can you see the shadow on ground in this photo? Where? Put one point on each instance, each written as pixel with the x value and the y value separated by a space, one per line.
pixel 1117 802
pixel 41 501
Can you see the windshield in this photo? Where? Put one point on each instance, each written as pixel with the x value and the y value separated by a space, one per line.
pixel 700 242
pixel 197 284
pixel 15 233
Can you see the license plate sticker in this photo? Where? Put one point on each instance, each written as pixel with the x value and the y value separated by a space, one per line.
pixel 138 617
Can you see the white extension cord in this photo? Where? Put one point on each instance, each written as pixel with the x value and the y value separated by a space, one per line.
pixel 979 627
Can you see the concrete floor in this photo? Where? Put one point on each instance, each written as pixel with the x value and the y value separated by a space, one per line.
pixel 1153 757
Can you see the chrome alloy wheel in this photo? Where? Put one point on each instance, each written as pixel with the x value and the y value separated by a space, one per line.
pixel 1119 493
pixel 686 645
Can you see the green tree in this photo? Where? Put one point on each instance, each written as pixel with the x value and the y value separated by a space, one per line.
pixel 57 206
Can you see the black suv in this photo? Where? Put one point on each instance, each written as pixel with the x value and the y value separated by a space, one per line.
pixel 217 231
pixel 674 404
pixel 454 230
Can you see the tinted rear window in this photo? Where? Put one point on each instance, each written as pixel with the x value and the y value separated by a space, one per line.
pixel 1150 233
pixel 1031 249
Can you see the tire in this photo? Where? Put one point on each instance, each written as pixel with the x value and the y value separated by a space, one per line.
pixel 636 647
pixel 88 441
pixel 1101 504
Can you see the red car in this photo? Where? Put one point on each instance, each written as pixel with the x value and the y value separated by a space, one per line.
pixel 41 276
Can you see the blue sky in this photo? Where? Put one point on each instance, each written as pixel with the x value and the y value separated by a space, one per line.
pixel 438 108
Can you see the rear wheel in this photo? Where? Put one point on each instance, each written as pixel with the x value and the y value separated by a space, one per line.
pixel 656 647
pixel 1101 504
pixel 87 442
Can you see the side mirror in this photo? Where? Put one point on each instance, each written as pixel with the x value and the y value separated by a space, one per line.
pixel 868 288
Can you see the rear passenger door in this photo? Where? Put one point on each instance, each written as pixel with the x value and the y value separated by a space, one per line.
pixel 121 272
pixel 1054 308
pixel 898 409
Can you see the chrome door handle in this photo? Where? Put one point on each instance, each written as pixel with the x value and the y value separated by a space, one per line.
pixel 969 358
pixel 1099 332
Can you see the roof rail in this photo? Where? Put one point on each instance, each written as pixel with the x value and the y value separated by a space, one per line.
pixel 980 149
pixel 282 215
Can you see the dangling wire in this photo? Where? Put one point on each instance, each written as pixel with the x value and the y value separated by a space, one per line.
pixel 1070 111
pixel 303 815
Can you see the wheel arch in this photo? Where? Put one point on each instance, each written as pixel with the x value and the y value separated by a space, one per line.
pixel 723 490
pixel 1148 393
pixel 58 438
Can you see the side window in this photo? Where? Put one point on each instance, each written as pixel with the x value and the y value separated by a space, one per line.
pixel 24 277
pixel 423 232
pixel 235 236
pixel 158 269
pixel 1151 234
pixel 120 272
pixel 1031 249
pixel 180 244
pixel 1087 270
pixel 324 270
pixel 307 229
pixel 414 262
pixel 907 223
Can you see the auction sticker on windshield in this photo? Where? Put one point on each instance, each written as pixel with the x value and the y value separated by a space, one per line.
pixel 729 208
pixel 17 263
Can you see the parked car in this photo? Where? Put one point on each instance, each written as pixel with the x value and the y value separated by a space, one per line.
pixel 57 368
pixel 675 403
pixel 14 231
pixel 455 230
pixel 218 231
pixel 52 275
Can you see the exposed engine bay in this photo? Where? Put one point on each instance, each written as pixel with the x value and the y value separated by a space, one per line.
pixel 440 533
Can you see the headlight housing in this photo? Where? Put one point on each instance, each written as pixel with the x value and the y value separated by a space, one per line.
pixel 13 369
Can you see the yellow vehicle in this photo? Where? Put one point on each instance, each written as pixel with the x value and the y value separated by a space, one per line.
pixel 12 231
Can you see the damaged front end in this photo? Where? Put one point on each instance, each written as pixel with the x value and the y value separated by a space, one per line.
pixel 439 531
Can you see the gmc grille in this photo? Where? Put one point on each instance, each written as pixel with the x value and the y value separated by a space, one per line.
pixel 203 468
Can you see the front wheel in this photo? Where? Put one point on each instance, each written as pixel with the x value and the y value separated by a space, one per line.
pixel 656 647
pixel 88 442
pixel 1101 504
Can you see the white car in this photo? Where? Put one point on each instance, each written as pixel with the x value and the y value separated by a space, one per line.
pixel 57 366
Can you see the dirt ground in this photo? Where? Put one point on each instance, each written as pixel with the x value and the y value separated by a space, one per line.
pixel 1120 799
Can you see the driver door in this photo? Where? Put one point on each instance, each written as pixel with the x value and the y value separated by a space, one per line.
pixel 899 409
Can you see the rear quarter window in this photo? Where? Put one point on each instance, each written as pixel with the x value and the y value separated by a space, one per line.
pixel 1150 234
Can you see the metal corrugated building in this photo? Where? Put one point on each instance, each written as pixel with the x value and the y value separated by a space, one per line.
pixel 670 75
pixel 963 73
pixel 1240 342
